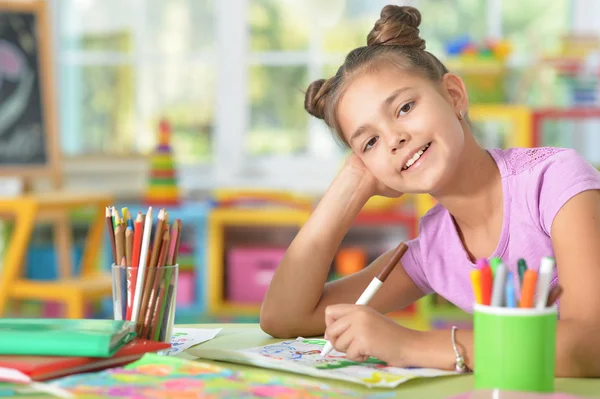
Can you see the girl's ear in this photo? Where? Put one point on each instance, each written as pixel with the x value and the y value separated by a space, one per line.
pixel 456 91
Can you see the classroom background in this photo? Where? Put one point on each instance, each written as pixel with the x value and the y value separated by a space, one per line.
pixel 197 106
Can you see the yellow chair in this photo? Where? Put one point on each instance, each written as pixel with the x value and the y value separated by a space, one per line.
pixel 72 291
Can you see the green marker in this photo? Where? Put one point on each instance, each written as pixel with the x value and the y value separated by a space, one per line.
pixel 314 341
pixel 494 264
pixel 522 267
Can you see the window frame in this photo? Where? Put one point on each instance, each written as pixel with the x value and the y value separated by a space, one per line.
pixel 231 165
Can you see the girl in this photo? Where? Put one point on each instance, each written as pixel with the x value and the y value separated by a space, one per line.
pixel 404 116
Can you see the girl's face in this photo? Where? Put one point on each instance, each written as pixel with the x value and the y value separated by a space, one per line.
pixel 405 128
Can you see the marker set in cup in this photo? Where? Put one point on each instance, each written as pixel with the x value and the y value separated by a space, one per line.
pixel 494 285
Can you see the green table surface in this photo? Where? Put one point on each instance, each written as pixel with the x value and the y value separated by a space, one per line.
pixel 239 336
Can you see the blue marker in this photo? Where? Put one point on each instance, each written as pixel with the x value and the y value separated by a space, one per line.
pixel 510 291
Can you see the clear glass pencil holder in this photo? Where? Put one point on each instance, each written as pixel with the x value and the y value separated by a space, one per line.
pixel 152 307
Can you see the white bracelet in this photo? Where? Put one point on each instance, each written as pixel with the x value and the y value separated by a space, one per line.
pixel 460 365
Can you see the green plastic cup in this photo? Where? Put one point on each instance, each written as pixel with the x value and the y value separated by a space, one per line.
pixel 515 348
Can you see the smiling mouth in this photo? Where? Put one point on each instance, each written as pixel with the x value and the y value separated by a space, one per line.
pixel 416 157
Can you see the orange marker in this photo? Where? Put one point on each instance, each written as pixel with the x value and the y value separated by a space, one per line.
pixel 476 282
pixel 486 281
pixel 528 288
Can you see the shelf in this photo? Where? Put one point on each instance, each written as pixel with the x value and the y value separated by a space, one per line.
pixel 385 218
pixel 218 222
pixel 237 309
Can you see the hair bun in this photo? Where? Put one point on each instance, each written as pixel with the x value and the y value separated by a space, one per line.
pixel 397 26
pixel 315 98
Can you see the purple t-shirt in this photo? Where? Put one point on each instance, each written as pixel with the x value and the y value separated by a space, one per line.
pixel 536 183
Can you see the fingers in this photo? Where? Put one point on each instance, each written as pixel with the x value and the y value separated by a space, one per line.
pixel 336 329
pixel 335 312
pixel 343 341
pixel 355 354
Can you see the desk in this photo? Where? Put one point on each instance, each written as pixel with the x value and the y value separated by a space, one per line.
pixel 239 336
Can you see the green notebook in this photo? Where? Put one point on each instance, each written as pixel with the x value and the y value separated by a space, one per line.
pixel 64 337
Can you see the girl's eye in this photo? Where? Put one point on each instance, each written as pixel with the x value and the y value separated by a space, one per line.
pixel 406 108
pixel 370 144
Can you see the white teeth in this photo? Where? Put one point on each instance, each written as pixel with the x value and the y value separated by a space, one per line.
pixel 415 157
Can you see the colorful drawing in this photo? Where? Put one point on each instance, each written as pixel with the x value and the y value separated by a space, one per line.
pixel 340 362
pixel 184 338
pixel 167 377
pixel 303 356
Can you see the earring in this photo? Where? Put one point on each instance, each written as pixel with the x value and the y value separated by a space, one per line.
pixel 461 116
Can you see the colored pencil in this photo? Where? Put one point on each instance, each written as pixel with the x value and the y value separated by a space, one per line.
pixel 126 217
pixel 150 272
pixel 111 233
pixel 174 242
pixel 166 281
pixel 171 307
pixel 123 275
pixel 160 225
pixel 139 285
pixel 129 245
pixel 142 249
pixel 120 239
pixel 138 229
pixel 116 218
pixel 158 276
pixel 168 313
pixel 176 252
pixel 160 306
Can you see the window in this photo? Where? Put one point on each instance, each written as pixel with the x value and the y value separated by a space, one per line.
pixel 124 65
pixel 230 75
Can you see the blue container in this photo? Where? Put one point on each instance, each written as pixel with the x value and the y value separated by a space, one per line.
pixel 41 262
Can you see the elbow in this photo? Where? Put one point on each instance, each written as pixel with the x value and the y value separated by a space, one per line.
pixel 570 366
pixel 577 351
pixel 275 325
pixel 576 365
pixel 278 323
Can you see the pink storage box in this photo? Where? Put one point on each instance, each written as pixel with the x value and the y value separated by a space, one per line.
pixel 185 288
pixel 250 271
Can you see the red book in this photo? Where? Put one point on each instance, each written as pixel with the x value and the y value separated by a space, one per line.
pixel 41 368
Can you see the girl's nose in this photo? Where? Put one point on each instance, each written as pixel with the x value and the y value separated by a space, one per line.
pixel 397 141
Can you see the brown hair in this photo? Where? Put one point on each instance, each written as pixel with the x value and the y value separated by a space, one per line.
pixel 394 40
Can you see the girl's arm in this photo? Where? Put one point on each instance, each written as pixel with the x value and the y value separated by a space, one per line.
pixel 575 236
pixel 295 302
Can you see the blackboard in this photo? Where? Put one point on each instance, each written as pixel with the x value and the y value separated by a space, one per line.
pixel 27 128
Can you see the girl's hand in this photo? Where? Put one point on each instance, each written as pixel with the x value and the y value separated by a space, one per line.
pixel 361 332
pixel 355 167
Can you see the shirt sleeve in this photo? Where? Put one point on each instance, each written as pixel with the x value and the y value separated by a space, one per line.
pixel 562 176
pixel 412 264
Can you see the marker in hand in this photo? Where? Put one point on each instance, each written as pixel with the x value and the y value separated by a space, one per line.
pixel 375 284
